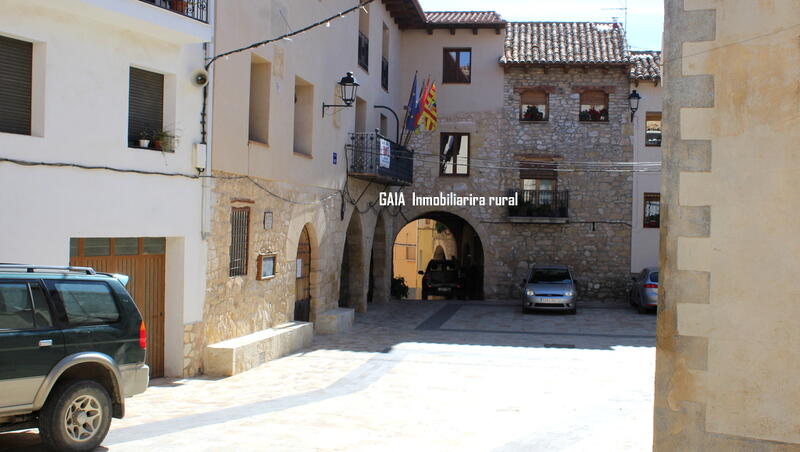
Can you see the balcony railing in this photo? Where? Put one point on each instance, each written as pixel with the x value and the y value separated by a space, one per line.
pixel 540 203
pixel 373 157
pixel 195 9
pixel 363 51
pixel 385 74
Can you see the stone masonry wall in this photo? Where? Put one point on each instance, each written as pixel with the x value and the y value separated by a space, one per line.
pixel 241 305
pixel 595 242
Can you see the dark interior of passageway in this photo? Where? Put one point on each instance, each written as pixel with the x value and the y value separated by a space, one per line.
pixel 438 236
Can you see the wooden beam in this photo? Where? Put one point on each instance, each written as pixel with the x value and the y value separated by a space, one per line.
pixel 452 30
pixel 475 30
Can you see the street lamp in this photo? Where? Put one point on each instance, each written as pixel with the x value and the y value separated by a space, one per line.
pixel 633 101
pixel 348 86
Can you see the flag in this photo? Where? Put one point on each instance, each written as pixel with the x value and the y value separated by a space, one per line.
pixel 423 94
pixel 413 107
pixel 428 113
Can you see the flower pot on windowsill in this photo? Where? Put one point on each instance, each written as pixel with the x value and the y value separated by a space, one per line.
pixel 179 6
pixel 157 145
pixel 144 143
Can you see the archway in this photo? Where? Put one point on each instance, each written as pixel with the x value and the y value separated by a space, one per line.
pixel 378 290
pixel 352 293
pixel 302 285
pixel 440 236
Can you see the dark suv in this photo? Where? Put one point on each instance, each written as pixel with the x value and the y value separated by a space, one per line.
pixel 72 348
pixel 441 277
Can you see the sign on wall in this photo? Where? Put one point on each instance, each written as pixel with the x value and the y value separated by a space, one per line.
pixel 266 266
pixel 385 154
pixel 299 269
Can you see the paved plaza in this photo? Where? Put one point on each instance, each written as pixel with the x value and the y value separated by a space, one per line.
pixel 419 376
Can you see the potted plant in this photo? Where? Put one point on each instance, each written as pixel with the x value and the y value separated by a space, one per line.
pixel 164 140
pixel 144 139
pixel 179 6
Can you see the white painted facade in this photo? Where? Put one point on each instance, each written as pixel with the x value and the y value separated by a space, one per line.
pixel 83 50
pixel 644 241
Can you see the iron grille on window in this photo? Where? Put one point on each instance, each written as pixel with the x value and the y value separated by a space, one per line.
pixel 196 9
pixel 240 233
pixel 363 51
pixel 385 74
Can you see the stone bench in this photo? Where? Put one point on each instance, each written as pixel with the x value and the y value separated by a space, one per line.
pixel 240 354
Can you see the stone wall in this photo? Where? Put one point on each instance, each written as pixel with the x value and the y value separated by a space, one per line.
pixel 595 242
pixel 241 305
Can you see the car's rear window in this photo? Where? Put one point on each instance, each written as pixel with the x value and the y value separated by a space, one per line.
pixel 654 276
pixel 16 310
pixel 440 266
pixel 88 302
pixel 550 275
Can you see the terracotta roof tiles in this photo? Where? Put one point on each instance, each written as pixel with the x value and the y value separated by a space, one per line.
pixel 645 65
pixel 463 17
pixel 564 43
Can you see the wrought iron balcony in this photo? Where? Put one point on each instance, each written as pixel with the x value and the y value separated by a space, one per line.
pixel 539 204
pixel 385 74
pixel 363 51
pixel 195 9
pixel 375 158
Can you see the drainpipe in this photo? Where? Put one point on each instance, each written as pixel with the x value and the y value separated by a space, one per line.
pixel 205 120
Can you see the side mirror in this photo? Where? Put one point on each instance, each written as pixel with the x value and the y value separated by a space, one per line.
pixel 633 279
pixel 421 272
pixel 575 281
pixel 523 282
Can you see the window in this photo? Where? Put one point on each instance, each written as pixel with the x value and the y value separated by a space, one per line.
pixel 88 302
pixel 534 106
pixel 260 72
pixel 384 125
pixel 363 37
pixel 240 235
pixel 266 266
pixel 457 66
pixel 652 210
pixel 594 106
pixel 385 59
pixel 303 116
pixel 652 135
pixel 145 107
pixel 16 311
pixel 454 154
pixel 537 191
pixel 411 253
pixel 16 73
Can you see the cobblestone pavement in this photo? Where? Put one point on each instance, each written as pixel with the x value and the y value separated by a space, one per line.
pixel 419 376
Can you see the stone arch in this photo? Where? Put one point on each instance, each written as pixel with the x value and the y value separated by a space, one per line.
pixel 438 253
pixel 352 281
pixel 296 227
pixel 464 226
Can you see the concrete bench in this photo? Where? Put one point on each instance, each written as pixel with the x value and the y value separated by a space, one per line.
pixel 334 321
pixel 240 354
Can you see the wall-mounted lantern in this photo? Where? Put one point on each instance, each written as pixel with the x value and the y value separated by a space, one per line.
pixel 633 101
pixel 348 86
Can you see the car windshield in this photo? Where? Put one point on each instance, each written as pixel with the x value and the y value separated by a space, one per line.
pixel 550 276
pixel 441 266
pixel 654 276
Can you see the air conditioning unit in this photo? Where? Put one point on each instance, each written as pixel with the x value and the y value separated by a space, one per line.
pixel 199 151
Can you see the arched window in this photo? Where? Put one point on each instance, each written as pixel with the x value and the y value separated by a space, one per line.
pixel 594 106
pixel 534 105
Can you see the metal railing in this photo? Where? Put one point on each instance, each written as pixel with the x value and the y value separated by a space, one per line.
pixel 385 74
pixel 195 9
pixel 363 51
pixel 540 203
pixel 374 157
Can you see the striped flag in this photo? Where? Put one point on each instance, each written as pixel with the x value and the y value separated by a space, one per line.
pixel 428 117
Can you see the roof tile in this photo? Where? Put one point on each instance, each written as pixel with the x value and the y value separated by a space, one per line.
pixel 645 65
pixel 463 17
pixel 564 43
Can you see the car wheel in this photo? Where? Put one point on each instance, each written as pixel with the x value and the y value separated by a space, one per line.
pixel 76 416
pixel 573 311
pixel 641 309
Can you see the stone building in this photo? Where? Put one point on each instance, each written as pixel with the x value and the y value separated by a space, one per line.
pixel 295 232
pixel 727 356
pixel 536 102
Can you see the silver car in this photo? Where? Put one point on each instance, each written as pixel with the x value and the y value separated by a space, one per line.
pixel 551 288
pixel 644 294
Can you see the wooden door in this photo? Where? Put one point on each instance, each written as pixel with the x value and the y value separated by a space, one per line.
pixel 302 285
pixel 142 259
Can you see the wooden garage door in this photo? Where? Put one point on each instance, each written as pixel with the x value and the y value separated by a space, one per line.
pixel 142 259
